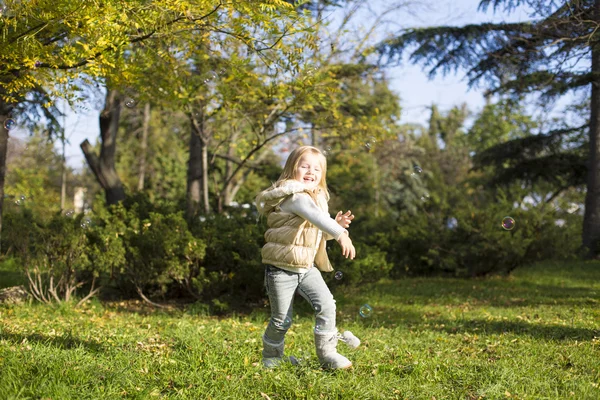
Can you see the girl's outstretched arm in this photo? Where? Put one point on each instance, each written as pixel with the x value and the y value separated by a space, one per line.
pixel 301 204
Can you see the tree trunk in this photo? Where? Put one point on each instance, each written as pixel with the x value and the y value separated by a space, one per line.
pixel 314 136
pixel 232 186
pixel 63 177
pixel 103 167
pixel 226 197
pixel 204 145
pixel 194 173
pixel 144 147
pixel 591 217
pixel 4 115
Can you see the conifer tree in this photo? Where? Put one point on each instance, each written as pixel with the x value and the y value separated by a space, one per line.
pixel 556 52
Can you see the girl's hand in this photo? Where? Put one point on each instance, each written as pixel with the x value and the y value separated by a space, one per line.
pixel 348 250
pixel 344 220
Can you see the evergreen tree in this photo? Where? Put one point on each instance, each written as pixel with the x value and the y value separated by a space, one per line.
pixel 555 53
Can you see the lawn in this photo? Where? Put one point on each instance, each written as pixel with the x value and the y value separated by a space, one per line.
pixel 532 335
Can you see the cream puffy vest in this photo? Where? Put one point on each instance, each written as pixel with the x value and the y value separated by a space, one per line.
pixel 290 239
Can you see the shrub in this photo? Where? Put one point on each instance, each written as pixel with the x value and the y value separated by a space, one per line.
pixel 232 271
pixel 53 254
pixel 152 251
pixel 131 243
pixel 370 264
pixel 423 243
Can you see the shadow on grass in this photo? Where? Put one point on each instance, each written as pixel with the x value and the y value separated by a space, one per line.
pixel 532 329
pixel 496 293
pixel 65 342
pixel 388 317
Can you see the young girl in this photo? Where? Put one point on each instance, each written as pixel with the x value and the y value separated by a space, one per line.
pixel 298 226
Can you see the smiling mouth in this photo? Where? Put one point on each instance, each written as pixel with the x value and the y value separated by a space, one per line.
pixel 309 179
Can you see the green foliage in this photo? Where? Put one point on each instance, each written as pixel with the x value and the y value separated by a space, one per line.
pixel 154 250
pixel 165 157
pixel 232 269
pixel 105 248
pixel 370 264
pixel 414 230
pixel 52 251
pixel 427 242
pixel 33 176
pixel 350 178
pixel 11 273
pixel 161 250
pixel 139 246
pixel 81 37
pixel 498 123
pixel 536 58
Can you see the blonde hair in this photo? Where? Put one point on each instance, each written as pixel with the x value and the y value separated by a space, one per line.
pixel 291 165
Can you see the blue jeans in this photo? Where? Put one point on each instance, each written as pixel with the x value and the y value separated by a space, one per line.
pixel 281 286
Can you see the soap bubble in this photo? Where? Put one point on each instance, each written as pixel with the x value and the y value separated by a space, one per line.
pixel 130 103
pixel 20 200
pixel 323 326
pixel 287 322
pixel 573 207
pixel 365 311
pixel 9 124
pixel 210 76
pixel 86 223
pixel 371 142
pixel 452 223
pixel 416 171
pixel 69 213
pixel 327 151
pixel 508 223
pixel 425 196
pixel 339 275
pixel 317 308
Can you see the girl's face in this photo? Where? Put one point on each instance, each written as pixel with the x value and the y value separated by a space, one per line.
pixel 309 170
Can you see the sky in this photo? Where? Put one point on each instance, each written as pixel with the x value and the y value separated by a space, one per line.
pixel 417 92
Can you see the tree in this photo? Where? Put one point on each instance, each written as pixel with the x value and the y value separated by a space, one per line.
pixel 47 44
pixel 158 167
pixel 103 166
pixel 498 123
pixel 555 53
pixel 34 175
pixel 208 75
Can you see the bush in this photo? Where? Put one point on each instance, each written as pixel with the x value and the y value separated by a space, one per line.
pixel 232 271
pixel 150 250
pixel 424 243
pixel 53 253
pixel 370 264
pixel 11 272
pixel 143 250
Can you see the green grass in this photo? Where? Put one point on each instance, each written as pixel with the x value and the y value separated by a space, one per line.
pixel 533 335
